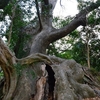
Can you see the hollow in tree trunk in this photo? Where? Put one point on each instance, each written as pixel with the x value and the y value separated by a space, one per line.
pixel 43 77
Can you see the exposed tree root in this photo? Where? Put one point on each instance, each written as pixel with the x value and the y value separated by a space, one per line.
pixel 55 78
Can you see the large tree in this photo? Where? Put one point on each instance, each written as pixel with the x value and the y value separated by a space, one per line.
pixel 43 77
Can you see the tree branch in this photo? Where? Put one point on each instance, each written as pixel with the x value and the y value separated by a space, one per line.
pixel 38 13
pixel 11 25
pixel 80 19
pixel 47 7
pixel 37 57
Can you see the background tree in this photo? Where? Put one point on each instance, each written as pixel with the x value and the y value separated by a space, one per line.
pixel 80 41
pixel 37 76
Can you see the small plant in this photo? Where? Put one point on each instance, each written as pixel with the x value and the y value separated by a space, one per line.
pixel 1 74
pixel 19 68
pixel 94 71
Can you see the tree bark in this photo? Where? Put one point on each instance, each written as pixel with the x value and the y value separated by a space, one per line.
pixel 42 77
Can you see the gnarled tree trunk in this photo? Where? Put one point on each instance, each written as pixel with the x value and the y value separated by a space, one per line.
pixel 42 77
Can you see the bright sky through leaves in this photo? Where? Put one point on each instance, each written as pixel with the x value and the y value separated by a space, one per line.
pixel 65 8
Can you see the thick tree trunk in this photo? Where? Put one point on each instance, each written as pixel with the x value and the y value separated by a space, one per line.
pixel 42 77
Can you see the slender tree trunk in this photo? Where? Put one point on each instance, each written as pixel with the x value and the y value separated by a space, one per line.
pixel 88 56
pixel 87 47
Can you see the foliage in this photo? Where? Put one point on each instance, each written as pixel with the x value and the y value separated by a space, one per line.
pixel 91 34
pixel 19 68
pixel 17 36
pixel 32 73
pixel 71 46
pixel 1 74
pixel 75 44
pixel 95 54
pixel 18 19
pixel 59 22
